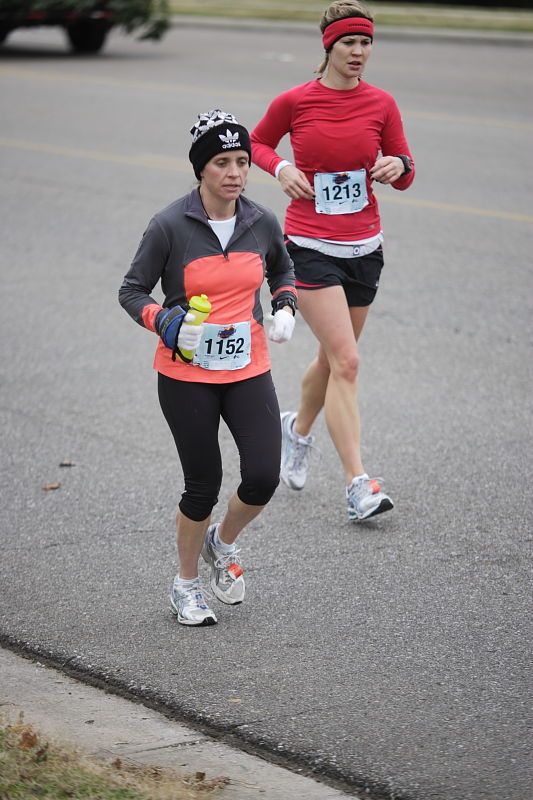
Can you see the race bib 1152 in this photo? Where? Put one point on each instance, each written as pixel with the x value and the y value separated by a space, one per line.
pixel 224 346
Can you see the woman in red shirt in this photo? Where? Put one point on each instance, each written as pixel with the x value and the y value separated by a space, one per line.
pixel 344 134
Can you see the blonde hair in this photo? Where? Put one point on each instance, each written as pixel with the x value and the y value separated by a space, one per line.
pixel 340 9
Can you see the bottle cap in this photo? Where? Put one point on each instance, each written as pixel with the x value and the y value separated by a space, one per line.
pixel 200 303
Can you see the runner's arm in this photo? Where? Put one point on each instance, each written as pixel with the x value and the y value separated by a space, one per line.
pixel 280 270
pixel 394 143
pixel 145 271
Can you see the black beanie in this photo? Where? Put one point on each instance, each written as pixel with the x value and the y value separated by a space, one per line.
pixel 216 132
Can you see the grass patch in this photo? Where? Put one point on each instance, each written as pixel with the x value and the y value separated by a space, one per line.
pixel 31 767
pixel 430 16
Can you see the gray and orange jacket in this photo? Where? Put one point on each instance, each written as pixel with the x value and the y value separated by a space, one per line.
pixel 180 249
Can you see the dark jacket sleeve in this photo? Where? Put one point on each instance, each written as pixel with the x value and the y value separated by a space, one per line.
pixel 145 271
pixel 279 266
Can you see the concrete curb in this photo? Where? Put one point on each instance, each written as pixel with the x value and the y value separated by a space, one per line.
pixel 105 726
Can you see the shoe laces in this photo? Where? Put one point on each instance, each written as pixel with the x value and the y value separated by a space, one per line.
pixel 363 487
pixel 195 593
pixel 224 560
pixel 229 564
pixel 302 451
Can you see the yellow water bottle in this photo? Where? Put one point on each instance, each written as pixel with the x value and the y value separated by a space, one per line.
pixel 200 306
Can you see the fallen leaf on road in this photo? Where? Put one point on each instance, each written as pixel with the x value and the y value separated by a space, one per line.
pixel 49 487
pixel 28 740
pixel 201 783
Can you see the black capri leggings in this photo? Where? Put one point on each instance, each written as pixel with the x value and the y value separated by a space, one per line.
pixel 250 410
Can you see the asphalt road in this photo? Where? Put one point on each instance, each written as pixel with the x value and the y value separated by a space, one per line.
pixel 391 655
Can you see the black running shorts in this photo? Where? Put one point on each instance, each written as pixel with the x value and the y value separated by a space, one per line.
pixel 359 277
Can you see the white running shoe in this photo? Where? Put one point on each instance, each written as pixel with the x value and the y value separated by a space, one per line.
pixel 227 582
pixel 189 605
pixel 295 453
pixel 366 498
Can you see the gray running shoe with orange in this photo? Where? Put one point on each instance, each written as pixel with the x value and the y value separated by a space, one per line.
pixel 366 498
pixel 227 581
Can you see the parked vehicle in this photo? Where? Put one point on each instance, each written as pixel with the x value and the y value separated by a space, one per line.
pixel 87 22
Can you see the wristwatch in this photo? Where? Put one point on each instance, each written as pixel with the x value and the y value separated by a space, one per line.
pixel 285 300
pixel 407 165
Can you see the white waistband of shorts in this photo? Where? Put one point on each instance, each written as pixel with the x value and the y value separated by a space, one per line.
pixel 340 249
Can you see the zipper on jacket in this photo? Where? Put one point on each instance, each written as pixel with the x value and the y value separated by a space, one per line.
pixel 231 238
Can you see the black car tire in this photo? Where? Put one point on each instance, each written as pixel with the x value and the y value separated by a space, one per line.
pixel 4 32
pixel 87 36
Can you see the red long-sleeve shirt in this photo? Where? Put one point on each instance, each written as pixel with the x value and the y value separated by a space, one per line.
pixel 332 131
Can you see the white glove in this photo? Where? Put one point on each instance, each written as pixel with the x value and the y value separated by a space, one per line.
pixel 282 326
pixel 189 335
